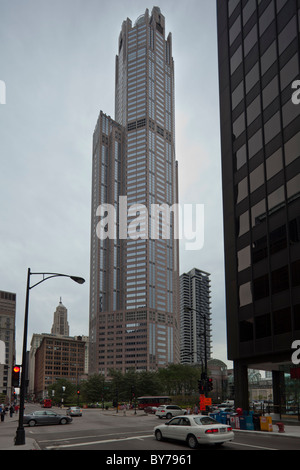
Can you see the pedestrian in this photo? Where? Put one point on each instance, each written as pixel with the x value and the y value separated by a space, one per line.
pixel 11 411
pixel 2 414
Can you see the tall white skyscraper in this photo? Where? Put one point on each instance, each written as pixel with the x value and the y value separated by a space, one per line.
pixel 134 290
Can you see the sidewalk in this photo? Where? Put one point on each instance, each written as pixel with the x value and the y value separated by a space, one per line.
pixel 7 436
pixel 289 430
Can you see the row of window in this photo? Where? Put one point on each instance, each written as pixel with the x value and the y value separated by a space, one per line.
pixel 249 8
pixel 278 281
pixel 279 322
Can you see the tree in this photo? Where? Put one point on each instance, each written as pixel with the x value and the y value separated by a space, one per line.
pixel 93 389
pixel 64 391
pixel 179 379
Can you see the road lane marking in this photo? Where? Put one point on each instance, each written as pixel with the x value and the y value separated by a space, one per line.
pixel 249 445
pixel 87 437
pixel 105 441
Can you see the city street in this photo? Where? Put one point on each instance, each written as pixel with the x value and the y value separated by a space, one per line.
pixel 110 431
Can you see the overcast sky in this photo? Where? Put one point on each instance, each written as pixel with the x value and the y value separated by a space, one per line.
pixel 57 59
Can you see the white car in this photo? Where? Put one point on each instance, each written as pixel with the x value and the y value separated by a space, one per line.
pixel 74 411
pixel 168 411
pixel 194 429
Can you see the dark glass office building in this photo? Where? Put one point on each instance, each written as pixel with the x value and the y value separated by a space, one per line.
pixel 258 47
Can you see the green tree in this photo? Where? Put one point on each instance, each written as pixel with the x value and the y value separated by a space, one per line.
pixel 93 389
pixel 64 391
pixel 179 379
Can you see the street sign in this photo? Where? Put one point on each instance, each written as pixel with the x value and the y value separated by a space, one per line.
pixel 204 402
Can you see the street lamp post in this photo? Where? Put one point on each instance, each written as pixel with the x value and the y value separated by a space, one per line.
pixel 189 310
pixel 20 434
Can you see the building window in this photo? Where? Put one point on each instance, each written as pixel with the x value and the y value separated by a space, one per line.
pixel 272 127
pixel 243 223
pixel 235 30
pixel 246 330
pixel 250 40
pixel 257 178
pixel 255 143
pixel 287 35
pixel 282 321
pixel 268 58
pixel 263 326
pixel 238 94
pixel 292 149
pixel 258 212
pixel 261 287
pixel 239 125
pixel 280 280
pixel 252 77
pixel 244 258
pixel 236 60
pixel 266 18
pixel 242 190
pixel 245 294
pixel 241 157
pixel 270 92
pixel 274 164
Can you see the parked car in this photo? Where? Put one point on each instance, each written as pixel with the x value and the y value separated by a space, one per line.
pixel 74 411
pixel 194 429
pixel 168 411
pixel 225 409
pixel 150 409
pixel 45 417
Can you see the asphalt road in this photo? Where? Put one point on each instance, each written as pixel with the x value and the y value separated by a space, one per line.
pixel 111 432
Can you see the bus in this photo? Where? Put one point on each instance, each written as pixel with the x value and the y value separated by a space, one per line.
pixel 47 403
pixel 144 402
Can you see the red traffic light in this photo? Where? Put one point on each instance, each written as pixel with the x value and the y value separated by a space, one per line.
pixel 15 376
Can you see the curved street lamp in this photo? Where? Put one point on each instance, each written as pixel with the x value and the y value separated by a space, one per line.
pixel 20 434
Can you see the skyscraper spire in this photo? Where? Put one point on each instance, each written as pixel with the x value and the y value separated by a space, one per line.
pixel 60 321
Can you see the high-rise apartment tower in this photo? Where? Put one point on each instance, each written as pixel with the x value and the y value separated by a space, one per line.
pixel 195 317
pixel 134 289
pixel 260 139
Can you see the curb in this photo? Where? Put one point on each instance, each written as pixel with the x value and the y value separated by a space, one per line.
pixel 267 433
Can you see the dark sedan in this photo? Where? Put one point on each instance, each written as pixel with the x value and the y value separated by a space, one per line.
pixel 45 417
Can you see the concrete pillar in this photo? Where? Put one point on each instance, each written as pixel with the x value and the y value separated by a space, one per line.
pixel 278 390
pixel 241 395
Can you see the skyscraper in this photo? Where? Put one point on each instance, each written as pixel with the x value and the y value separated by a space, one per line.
pixel 60 321
pixel 260 140
pixel 7 341
pixel 134 310
pixel 195 325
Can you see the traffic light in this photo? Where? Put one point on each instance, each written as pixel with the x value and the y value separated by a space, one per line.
pixel 203 376
pixel 201 386
pixel 210 384
pixel 78 392
pixel 15 376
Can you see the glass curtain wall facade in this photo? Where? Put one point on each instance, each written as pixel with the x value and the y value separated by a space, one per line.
pixel 134 310
pixel 260 139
